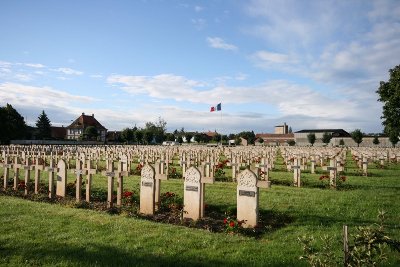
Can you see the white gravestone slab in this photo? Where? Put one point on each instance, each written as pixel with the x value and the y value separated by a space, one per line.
pixel 147 190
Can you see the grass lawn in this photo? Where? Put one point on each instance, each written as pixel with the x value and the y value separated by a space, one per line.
pixel 43 234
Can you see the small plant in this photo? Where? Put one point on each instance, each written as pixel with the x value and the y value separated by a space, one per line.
pixel 169 201
pixel 232 225
pixel 138 169
pixel 315 257
pixel 219 170
pixel 367 249
pixel 128 198
pixel 173 174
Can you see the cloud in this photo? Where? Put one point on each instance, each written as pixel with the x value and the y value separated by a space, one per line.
pixel 68 71
pixel 271 57
pixel 97 76
pixel 198 8
pixel 290 98
pixel 199 24
pixel 35 65
pixel 219 43
pixel 38 96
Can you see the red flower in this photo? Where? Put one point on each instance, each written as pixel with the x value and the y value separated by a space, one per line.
pixel 225 221
pixel 232 224
pixel 343 178
pixel 128 194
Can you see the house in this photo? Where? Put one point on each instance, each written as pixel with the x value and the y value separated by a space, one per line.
pixel 273 139
pixel 302 140
pixel 58 133
pixel 78 127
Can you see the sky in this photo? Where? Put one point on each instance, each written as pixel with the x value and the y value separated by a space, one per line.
pixel 311 64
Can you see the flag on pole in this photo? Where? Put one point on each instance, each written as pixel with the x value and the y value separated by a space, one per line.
pixel 216 108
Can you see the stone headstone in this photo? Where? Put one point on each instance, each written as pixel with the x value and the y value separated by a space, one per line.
pixel 192 193
pixel 247 198
pixel 147 190
pixel 61 185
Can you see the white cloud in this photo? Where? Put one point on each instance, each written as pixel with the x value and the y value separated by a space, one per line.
pixel 35 65
pixel 68 71
pixel 38 96
pixel 23 77
pixel 198 8
pixel 271 58
pixel 217 42
pixel 96 76
pixel 199 24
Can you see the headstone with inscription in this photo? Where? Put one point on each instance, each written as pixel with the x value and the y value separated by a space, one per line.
pixel 147 190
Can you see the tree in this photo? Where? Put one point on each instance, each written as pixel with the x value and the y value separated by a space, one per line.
pixel 139 136
pixel 326 137
pixel 148 136
pixel 393 138
pixel 197 137
pixel 290 129
pixel 291 142
pixel 249 136
pixel 180 139
pixel 224 138
pixel 389 95
pixel 13 125
pixel 188 137
pixel 357 136
pixel 90 133
pixel 260 140
pixel 311 138
pixel 376 140
pixel 217 137
pixel 169 137
pixel 43 127
pixel 128 135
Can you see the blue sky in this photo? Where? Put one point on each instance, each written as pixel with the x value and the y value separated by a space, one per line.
pixel 311 64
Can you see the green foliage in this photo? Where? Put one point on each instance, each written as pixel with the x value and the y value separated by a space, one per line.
pixel 188 137
pixel 170 201
pixel 148 136
pixel 291 142
pixel 128 135
pixel 323 257
pixel 180 139
pixel 341 142
pixel 217 138
pixel 156 130
pixel 90 133
pixel 249 136
pixel 326 137
pixel 367 248
pixel 43 127
pixel 393 138
pixel 311 138
pixel 139 136
pixel 12 125
pixel 357 136
pixel 376 140
pixel 389 95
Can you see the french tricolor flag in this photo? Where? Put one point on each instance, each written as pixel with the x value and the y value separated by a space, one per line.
pixel 216 108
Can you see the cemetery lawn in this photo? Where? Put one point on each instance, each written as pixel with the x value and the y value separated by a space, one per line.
pixel 43 234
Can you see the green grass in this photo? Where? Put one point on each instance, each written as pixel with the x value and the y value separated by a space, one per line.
pixel 37 234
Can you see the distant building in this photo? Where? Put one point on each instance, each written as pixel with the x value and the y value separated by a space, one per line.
pixel 275 139
pixel 282 129
pixel 77 128
pixel 113 136
pixel 58 133
pixel 302 140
